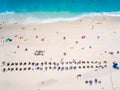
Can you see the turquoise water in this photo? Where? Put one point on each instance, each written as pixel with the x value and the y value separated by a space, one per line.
pixel 39 10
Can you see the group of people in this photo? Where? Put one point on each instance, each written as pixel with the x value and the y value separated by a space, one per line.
pixel 48 65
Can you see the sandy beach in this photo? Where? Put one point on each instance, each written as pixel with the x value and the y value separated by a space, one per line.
pixel 67 55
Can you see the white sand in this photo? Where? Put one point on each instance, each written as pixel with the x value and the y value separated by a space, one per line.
pixel 106 28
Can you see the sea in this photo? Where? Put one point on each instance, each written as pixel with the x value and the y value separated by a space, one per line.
pixel 47 11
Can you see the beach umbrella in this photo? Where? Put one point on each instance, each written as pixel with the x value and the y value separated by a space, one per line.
pixel 111 53
pixel 29 63
pixel 16 69
pixel 26 49
pixel 38 68
pixel 50 67
pixel 57 64
pixel 62 68
pixel 64 38
pixel 29 68
pixel 79 62
pixel 104 61
pixel 76 42
pixel 90 81
pixel 87 66
pixel 74 67
pixel 96 66
pixel 92 62
pixel 25 68
pixel 16 64
pixel 20 69
pixel 3 69
pixel 90 46
pixel 41 68
pixel 12 64
pixel 50 63
pixel 36 64
pixel 42 64
pixel 70 68
pixel 105 65
pixel 54 67
pixel 8 69
pixel 64 53
pixel 66 68
pixel 83 66
pixel 12 69
pixel 118 52
pixel 45 63
pixel 91 66
pixel 33 63
pixel 3 63
pixel 42 39
pixel 8 64
pixel 66 62
pixel 70 62
pixel 88 62
pixel 99 82
pixel 79 75
pixel 58 68
pixel 101 66
pixel 95 81
pixel 79 67
pixel 86 81
pixel 20 63
pixel 83 62
pixel 36 36
pixel 46 68
pixel 98 37
pixel 115 65
pixel 25 63
pixel 54 63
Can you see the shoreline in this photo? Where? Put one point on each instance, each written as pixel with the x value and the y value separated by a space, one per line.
pixel 29 18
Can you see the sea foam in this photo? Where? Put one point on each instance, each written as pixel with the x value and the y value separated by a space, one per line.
pixel 28 18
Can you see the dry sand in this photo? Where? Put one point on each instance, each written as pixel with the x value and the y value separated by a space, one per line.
pixel 62 41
